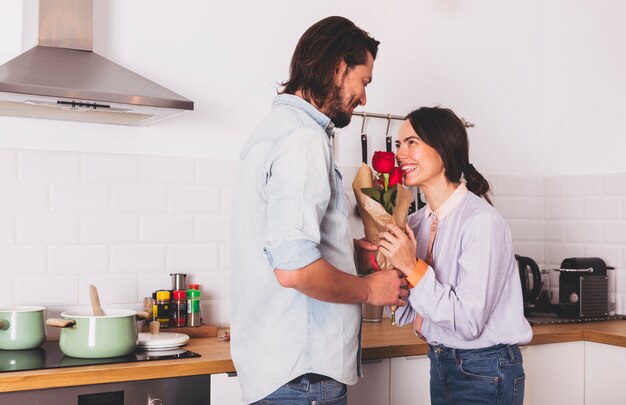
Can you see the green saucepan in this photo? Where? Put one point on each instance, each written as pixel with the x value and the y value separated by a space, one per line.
pixel 87 336
pixel 21 327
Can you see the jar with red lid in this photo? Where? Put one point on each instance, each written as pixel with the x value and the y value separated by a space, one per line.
pixel 179 308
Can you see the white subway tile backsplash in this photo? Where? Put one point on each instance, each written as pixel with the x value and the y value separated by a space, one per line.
pixel 110 169
pixel 109 228
pixel 614 231
pixel 151 282
pixel 167 170
pixel 22 259
pixel 565 208
pixel 531 208
pixel 225 256
pixel 519 186
pixel 46 167
pixel 212 172
pixel 167 228
pixel 226 200
pixel 583 231
pixel 210 312
pixel 124 222
pixel 22 197
pixel 603 208
pixel 225 313
pixel 112 289
pixel 137 258
pixel 79 198
pixel 8 165
pixel 213 228
pixel 48 291
pixel 504 205
pixel 196 258
pixel 554 186
pixel 44 228
pixel 214 285
pixel 554 231
pixel 611 254
pixel 139 199
pixel 584 185
pixel 556 252
pixel 526 230
pixel 615 184
pixel 7 286
pixel 199 200
pixel 7 228
pixel 78 259
pixel 534 250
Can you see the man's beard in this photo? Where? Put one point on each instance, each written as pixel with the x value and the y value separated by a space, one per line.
pixel 337 111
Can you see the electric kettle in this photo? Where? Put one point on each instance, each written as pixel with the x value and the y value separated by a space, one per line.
pixel 530 276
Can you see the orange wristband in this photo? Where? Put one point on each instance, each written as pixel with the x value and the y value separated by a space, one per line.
pixel 418 272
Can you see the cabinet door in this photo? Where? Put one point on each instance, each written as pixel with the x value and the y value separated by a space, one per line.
pixel 555 374
pixel 373 388
pixel 410 380
pixel 605 368
pixel 225 389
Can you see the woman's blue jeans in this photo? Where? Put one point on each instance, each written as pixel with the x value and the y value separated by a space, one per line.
pixel 493 375
pixel 309 389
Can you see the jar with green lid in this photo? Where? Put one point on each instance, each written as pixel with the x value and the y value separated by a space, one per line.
pixel 193 308
pixel 163 308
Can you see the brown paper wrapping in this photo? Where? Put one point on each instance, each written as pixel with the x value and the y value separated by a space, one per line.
pixel 373 214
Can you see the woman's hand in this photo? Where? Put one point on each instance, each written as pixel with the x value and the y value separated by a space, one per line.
pixel 399 247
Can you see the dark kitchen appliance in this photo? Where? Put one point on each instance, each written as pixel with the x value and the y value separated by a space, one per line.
pixel 182 390
pixel 530 276
pixel 583 288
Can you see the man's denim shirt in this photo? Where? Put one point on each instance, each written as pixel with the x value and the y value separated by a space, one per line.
pixel 289 211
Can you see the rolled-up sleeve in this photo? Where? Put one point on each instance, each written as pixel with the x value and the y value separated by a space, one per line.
pixel 298 192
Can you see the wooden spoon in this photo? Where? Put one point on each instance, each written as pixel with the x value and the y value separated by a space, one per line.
pixel 95 301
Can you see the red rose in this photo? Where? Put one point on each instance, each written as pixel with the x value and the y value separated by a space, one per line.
pixel 395 177
pixel 383 162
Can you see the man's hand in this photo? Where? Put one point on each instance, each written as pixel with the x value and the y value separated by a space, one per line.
pixel 386 287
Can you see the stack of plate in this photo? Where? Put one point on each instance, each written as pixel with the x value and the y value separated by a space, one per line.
pixel 161 341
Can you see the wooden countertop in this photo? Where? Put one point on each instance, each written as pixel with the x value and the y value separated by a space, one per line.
pixel 380 340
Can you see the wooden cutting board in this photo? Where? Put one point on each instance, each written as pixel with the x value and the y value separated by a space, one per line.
pixel 203 330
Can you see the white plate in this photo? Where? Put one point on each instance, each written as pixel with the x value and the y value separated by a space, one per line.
pixel 161 341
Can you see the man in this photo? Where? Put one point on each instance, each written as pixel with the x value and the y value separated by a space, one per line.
pixel 295 318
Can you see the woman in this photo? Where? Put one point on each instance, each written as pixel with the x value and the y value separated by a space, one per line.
pixel 465 293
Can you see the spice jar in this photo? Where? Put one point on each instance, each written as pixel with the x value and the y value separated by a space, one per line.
pixel 163 308
pixel 193 308
pixel 179 309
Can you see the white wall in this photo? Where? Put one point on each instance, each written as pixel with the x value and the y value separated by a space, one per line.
pixel 542 81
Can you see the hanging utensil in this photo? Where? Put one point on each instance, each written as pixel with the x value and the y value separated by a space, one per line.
pixel 387 136
pixel 363 140
pixel 95 301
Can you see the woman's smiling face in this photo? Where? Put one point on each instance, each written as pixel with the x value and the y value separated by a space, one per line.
pixel 421 164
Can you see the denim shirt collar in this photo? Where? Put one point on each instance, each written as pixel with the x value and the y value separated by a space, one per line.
pixel 303 105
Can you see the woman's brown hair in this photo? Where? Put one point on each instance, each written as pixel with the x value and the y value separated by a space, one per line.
pixel 443 131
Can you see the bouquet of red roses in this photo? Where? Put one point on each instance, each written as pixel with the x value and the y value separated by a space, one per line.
pixel 381 199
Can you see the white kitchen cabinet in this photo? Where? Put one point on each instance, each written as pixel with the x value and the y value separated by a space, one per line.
pixel 605 368
pixel 225 389
pixel 410 380
pixel 373 388
pixel 555 373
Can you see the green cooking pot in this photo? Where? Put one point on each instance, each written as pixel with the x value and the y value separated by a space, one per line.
pixel 21 327
pixel 87 336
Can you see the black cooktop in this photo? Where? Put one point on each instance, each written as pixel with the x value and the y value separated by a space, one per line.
pixel 49 355
pixel 549 318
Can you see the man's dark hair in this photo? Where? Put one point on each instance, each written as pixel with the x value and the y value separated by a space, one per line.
pixel 318 52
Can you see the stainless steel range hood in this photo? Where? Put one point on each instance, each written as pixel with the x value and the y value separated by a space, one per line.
pixel 63 79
